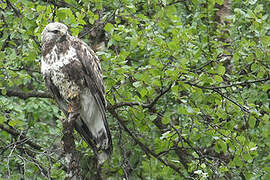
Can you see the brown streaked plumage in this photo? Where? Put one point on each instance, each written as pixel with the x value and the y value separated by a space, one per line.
pixel 72 73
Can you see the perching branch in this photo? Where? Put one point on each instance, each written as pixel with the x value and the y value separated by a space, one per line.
pixel 71 155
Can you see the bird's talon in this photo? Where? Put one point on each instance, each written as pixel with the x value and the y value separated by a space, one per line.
pixel 72 96
pixel 69 108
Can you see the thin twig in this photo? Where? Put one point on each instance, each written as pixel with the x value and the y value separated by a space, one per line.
pixel 244 83
pixel 17 12
pixel 10 154
pixel 22 137
pixel 42 169
pixel 234 102
pixel 143 146
pixel 149 105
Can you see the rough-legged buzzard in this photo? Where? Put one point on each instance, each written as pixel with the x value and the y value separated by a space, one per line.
pixel 72 73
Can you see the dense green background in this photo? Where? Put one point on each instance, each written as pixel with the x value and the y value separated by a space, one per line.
pixel 188 92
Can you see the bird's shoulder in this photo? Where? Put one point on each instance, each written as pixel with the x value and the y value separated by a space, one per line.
pixel 82 47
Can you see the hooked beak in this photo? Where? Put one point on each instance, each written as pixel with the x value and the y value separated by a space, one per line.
pixel 63 36
pixel 63 32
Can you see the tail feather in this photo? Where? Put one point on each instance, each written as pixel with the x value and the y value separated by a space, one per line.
pixel 92 125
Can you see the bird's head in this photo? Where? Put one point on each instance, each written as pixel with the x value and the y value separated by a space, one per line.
pixel 54 32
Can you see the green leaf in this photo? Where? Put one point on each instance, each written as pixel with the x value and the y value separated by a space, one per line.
pixel 223 146
pixel 137 84
pixel 182 110
pixel 3 5
pixel 4 91
pixel 153 117
pixel 241 138
pixel 2 119
pixel 220 2
pixel 109 27
pixel 218 78
pixel 265 119
pixel 217 148
pixel 173 45
pixel 238 161
pixel 143 92
pixel 166 118
pixel 252 122
pixel 255 67
pixel 134 42
pixel 221 70
pixel 157 82
pixel 248 157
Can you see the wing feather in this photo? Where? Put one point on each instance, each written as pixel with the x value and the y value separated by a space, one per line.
pixel 55 91
pixel 94 91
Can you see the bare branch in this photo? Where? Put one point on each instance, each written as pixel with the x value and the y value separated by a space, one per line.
pixel 219 58
pixel 26 95
pixel 149 105
pixel 234 102
pixel 217 90
pixel 24 140
pixel 22 137
pixel 122 104
pixel 30 155
pixel 245 83
pixel 143 146
pixel 17 12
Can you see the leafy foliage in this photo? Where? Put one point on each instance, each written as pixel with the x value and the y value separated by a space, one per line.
pixel 187 87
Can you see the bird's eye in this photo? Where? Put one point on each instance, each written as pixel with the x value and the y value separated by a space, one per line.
pixel 55 31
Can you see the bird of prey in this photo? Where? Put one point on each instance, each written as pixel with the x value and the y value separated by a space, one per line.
pixel 72 73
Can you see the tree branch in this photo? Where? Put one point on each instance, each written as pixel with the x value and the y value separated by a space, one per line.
pixel 18 144
pixel 71 155
pixel 22 137
pixel 143 146
pixel 234 102
pixel 17 12
pixel 219 92
pixel 24 140
pixel 26 95
pixel 149 105
pixel 245 83
pixel 42 169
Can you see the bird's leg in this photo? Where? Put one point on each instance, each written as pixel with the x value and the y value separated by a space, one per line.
pixel 73 106
pixel 69 108
pixel 73 111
